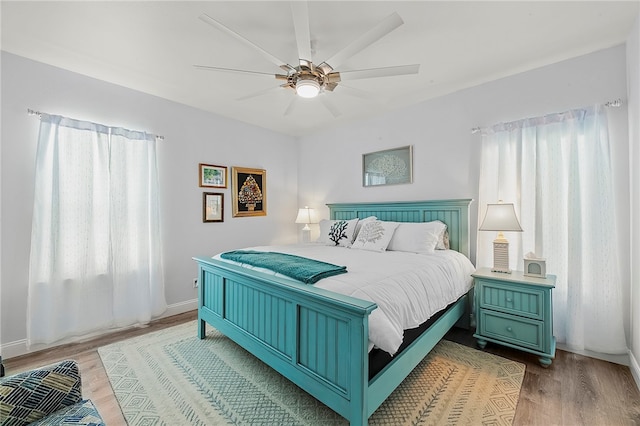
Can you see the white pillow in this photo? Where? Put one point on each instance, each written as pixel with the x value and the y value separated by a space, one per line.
pixel 375 235
pixel 362 222
pixel 418 237
pixel 337 232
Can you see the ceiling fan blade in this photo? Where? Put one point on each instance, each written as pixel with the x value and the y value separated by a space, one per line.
pixel 387 25
pixel 326 102
pixel 379 72
pixel 208 68
pixel 330 106
pixel 359 93
pixel 291 106
pixel 260 93
pixel 300 12
pixel 209 20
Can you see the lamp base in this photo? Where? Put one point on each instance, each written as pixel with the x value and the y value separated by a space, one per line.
pixel 501 256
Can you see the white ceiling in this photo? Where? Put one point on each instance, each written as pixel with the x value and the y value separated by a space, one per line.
pixel 151 46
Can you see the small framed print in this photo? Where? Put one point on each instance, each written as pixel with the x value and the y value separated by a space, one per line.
pixel 249 192
pixel 212 176
pixel 388 167
pixel 212 207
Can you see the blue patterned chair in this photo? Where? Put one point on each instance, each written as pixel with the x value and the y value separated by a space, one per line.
pixel 50 395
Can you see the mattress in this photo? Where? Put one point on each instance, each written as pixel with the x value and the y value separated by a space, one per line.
pixel 408 288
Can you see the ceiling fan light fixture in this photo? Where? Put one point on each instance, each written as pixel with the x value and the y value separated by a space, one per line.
pixel 306 88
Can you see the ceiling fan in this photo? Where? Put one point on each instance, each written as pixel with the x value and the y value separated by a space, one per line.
pixel 307 79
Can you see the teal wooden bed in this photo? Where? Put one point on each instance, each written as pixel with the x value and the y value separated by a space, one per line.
pixel 319 339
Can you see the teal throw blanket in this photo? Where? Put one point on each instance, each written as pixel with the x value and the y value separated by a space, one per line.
pixel 303 269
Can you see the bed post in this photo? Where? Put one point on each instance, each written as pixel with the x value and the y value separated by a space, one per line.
pixel 202 324
pixel 359 408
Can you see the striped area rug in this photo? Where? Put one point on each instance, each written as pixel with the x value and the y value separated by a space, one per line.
pixel 170 377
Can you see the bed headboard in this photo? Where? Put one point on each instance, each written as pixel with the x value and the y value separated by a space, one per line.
pixel 455 213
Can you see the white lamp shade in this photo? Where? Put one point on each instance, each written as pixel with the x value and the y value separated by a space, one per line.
pixel 307 88
pixel 500 217
pixel 306 216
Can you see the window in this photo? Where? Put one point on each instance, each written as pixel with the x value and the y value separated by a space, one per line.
pixel 96 248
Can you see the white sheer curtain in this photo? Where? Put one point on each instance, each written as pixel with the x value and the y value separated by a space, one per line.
pixel 557 171
pixel 95 245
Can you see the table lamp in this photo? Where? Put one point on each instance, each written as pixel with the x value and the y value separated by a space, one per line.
pixel 500 217
pixel 306 215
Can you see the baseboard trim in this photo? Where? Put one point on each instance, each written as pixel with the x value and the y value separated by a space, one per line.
pixel 616 359
pixel 179 308
pixel 15 348
pixel 19 347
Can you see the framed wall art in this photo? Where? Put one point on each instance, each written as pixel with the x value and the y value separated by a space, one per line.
pixel 212 176
pixel 249 192
pixel 212 207
pixel 388 167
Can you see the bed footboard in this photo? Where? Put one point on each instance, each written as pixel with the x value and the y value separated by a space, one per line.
pixel 315 338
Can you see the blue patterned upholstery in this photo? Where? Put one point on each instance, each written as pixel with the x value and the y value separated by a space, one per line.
pixel 54 390
pixel 84 413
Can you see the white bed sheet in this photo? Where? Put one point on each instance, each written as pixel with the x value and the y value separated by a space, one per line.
pixel 407 287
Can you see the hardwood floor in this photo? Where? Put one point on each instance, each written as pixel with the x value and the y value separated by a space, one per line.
pixel 575 390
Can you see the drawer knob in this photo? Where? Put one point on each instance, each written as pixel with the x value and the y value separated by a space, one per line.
pixel 509 329
pixel 509 300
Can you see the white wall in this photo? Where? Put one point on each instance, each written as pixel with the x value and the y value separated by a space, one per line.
pixel 190 137
pixel 446 153
pixel 633 87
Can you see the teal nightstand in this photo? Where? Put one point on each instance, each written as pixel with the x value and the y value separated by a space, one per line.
pixel 515 310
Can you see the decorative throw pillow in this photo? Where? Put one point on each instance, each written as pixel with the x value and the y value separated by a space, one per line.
pixel 337 232
pixel 362 222
pixel 420 237
pixel 35 394
pixel 375 235
pixel 443 241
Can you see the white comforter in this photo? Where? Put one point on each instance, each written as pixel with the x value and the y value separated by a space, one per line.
pixel 407 287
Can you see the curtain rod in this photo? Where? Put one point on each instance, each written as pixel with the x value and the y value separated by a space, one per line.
pixel 39 114
pixel 616 103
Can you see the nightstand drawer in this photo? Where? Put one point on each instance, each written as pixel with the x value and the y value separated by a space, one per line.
pixel 524 301
pixel 512 329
